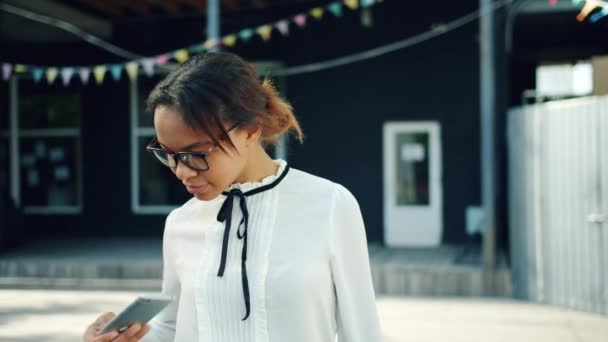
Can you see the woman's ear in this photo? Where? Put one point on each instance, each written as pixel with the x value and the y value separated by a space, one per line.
pixel 253 133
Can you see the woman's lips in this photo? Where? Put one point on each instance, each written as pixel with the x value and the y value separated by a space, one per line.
pixel 196 189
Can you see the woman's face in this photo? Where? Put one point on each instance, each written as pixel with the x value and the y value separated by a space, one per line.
pixel 174 135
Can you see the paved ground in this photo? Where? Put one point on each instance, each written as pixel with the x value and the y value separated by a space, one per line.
pixel 54 316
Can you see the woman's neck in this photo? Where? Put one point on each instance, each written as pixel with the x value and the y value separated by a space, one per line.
pixel 258 167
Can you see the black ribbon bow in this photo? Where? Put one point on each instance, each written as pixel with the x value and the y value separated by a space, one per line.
pixel 225 215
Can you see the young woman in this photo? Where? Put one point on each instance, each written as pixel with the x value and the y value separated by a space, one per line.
pixel 262 252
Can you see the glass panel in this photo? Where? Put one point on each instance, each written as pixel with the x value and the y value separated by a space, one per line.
pixel 4 164
pixel 413 168
pixel 44 106
pixel 157 183
pixel 50 171
pixel 146 84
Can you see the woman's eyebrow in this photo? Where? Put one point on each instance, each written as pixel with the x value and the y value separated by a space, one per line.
pixel 191 146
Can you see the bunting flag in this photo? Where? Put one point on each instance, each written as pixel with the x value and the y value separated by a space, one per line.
pixel 317 13
pixel 51 75
pixel 66 75
pixel 246 34
pixel 352 4
pixel 162 59
pixel 599 15
pixel 210 44
pixel 116 71
pixel 230 40
pixel 100 73
pixel 37 74
pixel 6 71
pixel 590 6
pixel 132 69
pixel 85 74
pixel 148 64
pixel 283 27
pixel 300 20
pixel 335 8
pixel 181 55
pixel 265 31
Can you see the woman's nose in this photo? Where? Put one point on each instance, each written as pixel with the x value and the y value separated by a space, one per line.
pixel 183 173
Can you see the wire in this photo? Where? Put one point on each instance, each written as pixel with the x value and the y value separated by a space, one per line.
pixel 69 28
pixel 402 44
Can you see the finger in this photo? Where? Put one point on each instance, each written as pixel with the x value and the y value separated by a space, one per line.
pixel 107 337
pixel 105 317
pixel 133 330
pixel 142 332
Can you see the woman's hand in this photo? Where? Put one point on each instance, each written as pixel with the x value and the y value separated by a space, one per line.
pixel 133 334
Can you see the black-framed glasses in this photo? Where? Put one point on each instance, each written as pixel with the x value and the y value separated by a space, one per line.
pixel 196 161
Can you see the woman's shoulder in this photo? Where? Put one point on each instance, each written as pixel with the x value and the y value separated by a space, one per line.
pixel 304 183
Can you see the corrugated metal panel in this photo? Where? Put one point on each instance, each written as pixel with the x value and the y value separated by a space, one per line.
pixel 558 173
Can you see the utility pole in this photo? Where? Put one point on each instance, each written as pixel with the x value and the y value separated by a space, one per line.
pixel 213 23
pixel 488 107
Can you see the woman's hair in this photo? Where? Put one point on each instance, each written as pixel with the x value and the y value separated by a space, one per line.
pixel 215 88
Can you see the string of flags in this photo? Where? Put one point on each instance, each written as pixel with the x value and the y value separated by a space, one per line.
pixel 588 7
pixel 148 64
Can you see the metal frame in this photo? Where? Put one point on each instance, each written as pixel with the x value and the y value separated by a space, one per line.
pixel 14 146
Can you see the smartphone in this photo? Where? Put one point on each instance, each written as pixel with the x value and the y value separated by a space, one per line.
pixel 141 310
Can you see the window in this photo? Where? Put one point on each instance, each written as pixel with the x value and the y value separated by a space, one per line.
pixel 49 148
pixel 154 188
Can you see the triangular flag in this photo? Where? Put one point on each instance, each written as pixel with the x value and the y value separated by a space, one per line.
pixel 100 73
pixel 148 65
pixel 335 8
pixel 283 27
pixel 161 59
pixel 229 40
pixel 181 55
pixel 300 20
pixel 196 48
pixel 367 3
pixel 246 34
pixel 209 44
pixel 588 8
pixel 116 71
pixel 317 13
pixel 37 74
pixel 20 68
pixel 6 71
pixel 66 75
pixel 599 15
pixel 84 74
pixel 352 4
pixel 132 69
pixel 265 31
pixel 51 74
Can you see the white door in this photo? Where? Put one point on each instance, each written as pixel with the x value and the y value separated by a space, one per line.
pixel 412 184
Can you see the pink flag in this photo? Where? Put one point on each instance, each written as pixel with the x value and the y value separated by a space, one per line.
pixel 161 59
pixel 300 19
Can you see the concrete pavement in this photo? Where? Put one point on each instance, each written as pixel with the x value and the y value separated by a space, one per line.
pixel 61 316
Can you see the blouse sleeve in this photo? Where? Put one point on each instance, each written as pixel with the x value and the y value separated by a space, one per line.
pixel 356 313
pixel 162 327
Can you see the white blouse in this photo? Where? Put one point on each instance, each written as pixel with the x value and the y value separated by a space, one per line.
pixel 307 275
